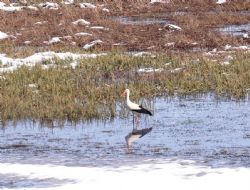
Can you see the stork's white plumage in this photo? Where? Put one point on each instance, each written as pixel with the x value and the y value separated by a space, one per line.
pixel 133 106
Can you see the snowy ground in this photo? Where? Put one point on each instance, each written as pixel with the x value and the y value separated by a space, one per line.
pixel 162 174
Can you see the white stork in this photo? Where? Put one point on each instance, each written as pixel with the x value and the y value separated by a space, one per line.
pixel 133 106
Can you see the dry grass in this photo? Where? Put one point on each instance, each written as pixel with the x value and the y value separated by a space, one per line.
pixel 199 19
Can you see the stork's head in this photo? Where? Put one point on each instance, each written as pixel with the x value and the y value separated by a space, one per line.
pixel 125 93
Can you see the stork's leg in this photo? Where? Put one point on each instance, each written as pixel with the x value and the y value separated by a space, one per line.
pixel 133 121
pixel 137 120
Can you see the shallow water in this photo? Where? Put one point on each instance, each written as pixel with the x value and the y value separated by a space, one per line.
pixel 202 130
pixel 235 30
pixel 139 20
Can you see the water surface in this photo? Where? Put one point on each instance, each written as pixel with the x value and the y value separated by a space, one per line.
pixel 199 129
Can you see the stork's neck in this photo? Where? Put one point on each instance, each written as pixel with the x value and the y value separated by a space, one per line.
pixel 128 100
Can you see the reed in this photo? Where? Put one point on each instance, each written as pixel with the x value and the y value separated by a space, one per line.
pixel 92 90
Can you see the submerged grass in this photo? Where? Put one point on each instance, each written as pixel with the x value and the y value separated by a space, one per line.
pixel 92 89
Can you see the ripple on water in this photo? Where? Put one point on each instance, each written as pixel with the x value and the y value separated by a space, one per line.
pixel 201 129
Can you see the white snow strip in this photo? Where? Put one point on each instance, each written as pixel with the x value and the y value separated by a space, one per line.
pixel 161 176
pixel 68 2
pixel 2 4
pixel 3 35
pixel 170 44
pixel 49 5
pixel 106 10
pixel 87 5
pixel 176 70
pixel 159 1
pixel 92 44
pixel 142 53
pixel 32 8
pixel 83 34
pixel 149 70
pixel 54 40
pixel 245 35
pixel 173 27
pixel 99 28
pixel 13 64
pixel 225 63
pixel 41 22
pixel 11 8
pixel 219 2
pixel 27 42
pixel 229 47
pixel 81 22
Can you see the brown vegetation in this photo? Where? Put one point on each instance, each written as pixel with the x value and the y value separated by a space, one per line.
pixel 198 19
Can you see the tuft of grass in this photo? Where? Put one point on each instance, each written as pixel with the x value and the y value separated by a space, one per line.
pixel 92 90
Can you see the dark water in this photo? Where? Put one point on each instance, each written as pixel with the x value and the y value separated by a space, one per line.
pixel 235 30
pixel 211 133
pixel 139 20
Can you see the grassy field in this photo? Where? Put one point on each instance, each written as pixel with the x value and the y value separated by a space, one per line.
pixel 92 90
pixel 182 64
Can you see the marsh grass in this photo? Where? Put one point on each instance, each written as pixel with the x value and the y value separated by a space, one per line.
pixel 92 90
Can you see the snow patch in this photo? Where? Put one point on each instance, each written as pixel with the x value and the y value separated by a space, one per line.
pixel 176 70
pixel 68 2
pixel 98 28
pixel 106 10
pixel 54 40
pixel 3 35
pixel 219 2
pixel 10 64
pixel 159 1
pixel 149 70
pixel 12 8
pixel 41 22
pixel 87 5
pixel 2 4
pixel 173 27
pixel 83 34
pixel 27 42
pixel 81 22
pixel 49 5
pixel 32 8
pixel 151 175
pixel 92 44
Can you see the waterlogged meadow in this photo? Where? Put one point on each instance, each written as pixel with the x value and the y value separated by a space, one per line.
pixel 91 88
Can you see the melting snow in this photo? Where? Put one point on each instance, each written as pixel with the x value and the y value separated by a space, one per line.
pixel 106 10
pixel 13 64
pixel 81 22
pixel 41 22
pixel 10 8
pixel 32 8
pixel 83 34
pixel 161 175
pixel 68 2
pixel 87 5
pixel 176 70
pixel 159 1
pixel 173 27
pixel 3 35
pixel 2 4
pixel 99 28
pixel 49 5
pixel 219 2
pixel 91 44
pixel 149 70
pixel 54 40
